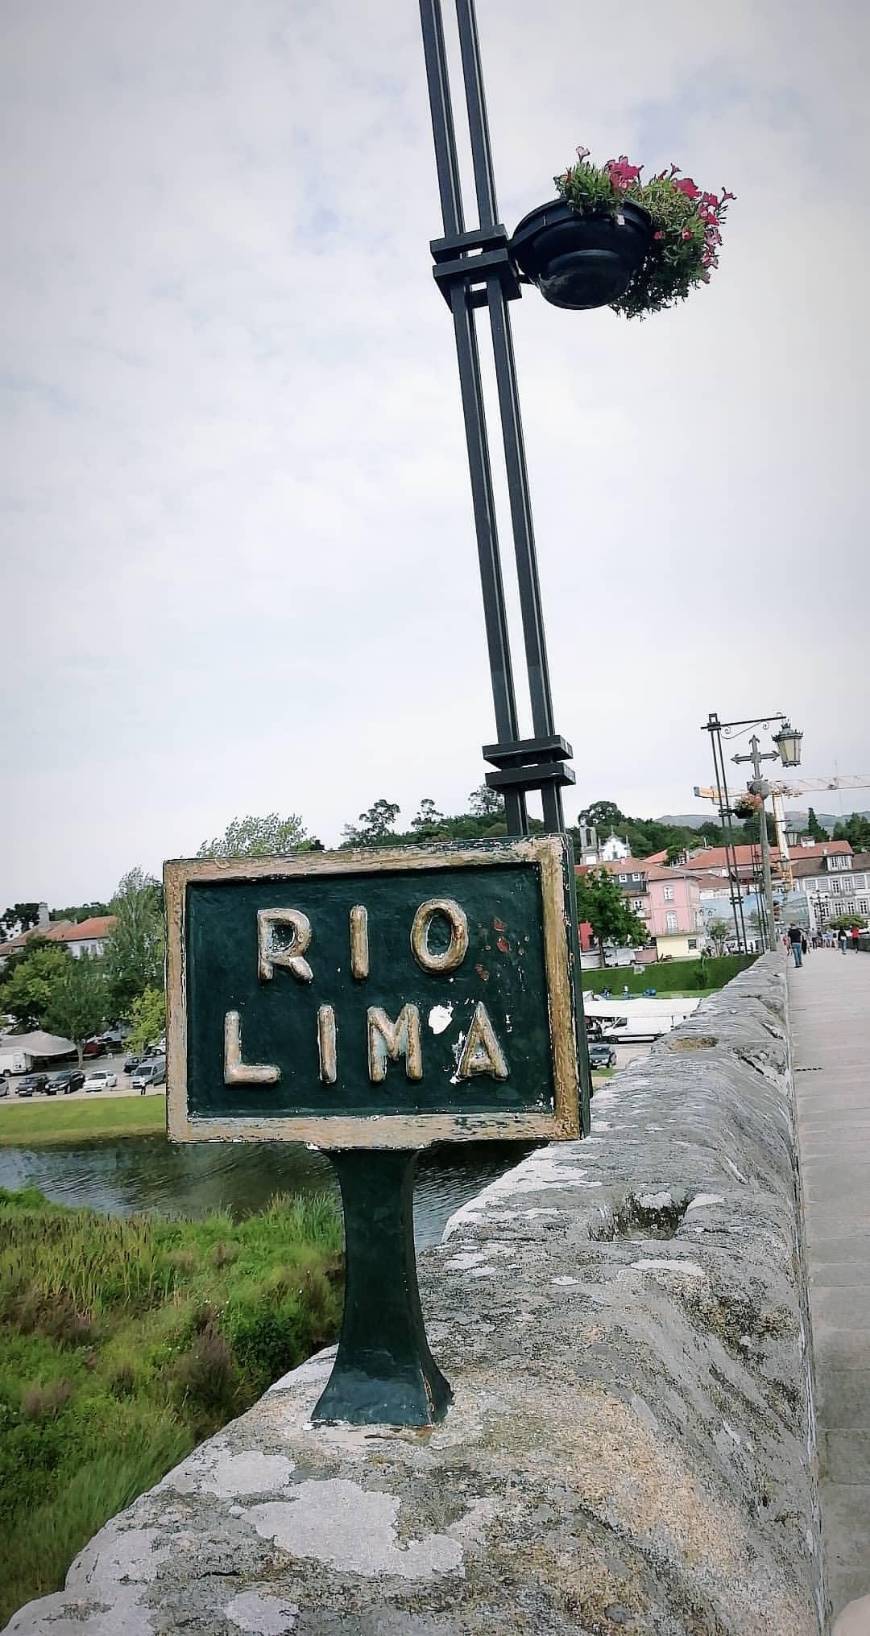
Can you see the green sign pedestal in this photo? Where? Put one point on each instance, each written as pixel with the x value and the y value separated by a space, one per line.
pixel 371 1004
pixel 384 1373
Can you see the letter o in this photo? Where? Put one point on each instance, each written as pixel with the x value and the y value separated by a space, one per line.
pixel 457 948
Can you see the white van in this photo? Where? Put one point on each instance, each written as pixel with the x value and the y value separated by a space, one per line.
pixel 638 1019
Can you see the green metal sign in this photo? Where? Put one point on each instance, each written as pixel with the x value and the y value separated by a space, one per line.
pixel 373 1000
pixel 387 998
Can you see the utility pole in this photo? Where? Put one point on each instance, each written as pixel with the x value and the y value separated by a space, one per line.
pixel 759 786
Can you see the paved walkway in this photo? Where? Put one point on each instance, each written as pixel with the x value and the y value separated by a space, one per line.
pixel 830 1009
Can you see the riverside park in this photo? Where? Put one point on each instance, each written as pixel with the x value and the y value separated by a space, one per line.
pixel 444 1215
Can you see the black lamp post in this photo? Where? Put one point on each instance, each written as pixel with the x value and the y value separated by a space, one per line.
pixel 477 267
pixel 788 751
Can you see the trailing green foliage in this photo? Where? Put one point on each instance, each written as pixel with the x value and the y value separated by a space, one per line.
pixel 124 1342
pixel 669 976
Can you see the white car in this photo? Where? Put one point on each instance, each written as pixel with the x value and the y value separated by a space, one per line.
pixel 100 1081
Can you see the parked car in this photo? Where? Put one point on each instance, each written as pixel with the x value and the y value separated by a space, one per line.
pixel 69 1079
pixel 100 1080
pixel 131 1064
pixel 32 1084
pixel 602 1056
pixel 149 1073
pixel 4 1085
pixel 112 1040
pixel 92 1048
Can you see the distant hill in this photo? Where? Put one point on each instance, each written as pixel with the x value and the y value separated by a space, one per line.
pixel 692 820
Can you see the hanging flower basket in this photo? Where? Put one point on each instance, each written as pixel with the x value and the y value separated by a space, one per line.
pixel 581 261
pixel 612 240
pixel 746 806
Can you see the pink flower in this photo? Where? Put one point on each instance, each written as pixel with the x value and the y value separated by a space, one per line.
pixel 688 187
pixel 583 153
pixel 621 172
pixel 686 233
pixel 658 235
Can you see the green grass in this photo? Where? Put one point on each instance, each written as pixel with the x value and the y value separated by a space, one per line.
pixel 671 977
pixel 37 1123
pixel 123 1342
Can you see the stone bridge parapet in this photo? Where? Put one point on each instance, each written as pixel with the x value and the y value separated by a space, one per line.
pixel 632 1442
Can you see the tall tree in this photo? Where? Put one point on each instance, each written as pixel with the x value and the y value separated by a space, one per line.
pixel 602 902
pixel 148 1018
pixel 269 837
pixel 19 917
pixel 428 822
pixel 718 932
pixel 28 982
pixel 814 828
pixel 486 803
pixel 375 827
pixel 79 1002
pixel 601 815
pixel 134 950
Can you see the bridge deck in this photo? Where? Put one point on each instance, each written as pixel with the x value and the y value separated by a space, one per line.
pixel 830 1008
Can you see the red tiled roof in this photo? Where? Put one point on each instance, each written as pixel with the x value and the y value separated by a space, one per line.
pixel 98 926
pixel 715 857
pixel 21 941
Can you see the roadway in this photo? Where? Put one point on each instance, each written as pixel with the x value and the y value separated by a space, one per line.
pixel 830 1014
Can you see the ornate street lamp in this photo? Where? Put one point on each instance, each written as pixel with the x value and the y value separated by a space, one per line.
pixel 788 743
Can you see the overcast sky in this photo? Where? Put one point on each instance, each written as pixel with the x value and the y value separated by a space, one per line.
pixel 239 570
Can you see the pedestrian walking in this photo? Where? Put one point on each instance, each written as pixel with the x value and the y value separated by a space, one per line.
pixel 804 944
pixel 843 942
pixel 795 937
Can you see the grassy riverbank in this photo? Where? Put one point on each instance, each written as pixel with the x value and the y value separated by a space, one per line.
pixel 50 1120
pixel 670 977
pixel 125 1342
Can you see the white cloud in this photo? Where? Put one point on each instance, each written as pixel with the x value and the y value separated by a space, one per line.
pixel 240 571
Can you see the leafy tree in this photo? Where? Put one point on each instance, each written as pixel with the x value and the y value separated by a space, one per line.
pixel 78 912
pixel 429 823
pixel 268 837
pixel 857 829
pixel 844 923
pixel 814 828
pixel 601 815
pixel 749 832
pixel 148 1017
pixel 601 901
pixel 134 950
pixel 718 932
pixel 486 803
pixel 375 827
pixel 29 980
pixel 20 917
pixel 79 1001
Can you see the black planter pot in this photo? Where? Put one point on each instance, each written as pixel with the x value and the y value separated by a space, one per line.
pixel 581 261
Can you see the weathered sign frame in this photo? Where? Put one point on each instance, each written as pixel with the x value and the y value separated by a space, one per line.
pixel 547 853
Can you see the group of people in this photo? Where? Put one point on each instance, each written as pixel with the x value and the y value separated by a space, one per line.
pixel 797 940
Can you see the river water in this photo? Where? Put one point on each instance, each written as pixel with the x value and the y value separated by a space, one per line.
pixel 147 1173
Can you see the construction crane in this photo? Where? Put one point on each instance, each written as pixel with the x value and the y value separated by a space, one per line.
pixel 805 786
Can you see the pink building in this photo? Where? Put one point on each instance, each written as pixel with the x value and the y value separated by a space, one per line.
pixel 667 900
pixel 674 912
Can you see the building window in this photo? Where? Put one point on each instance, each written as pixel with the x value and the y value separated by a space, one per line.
pixel 669 894
pixel 693 942
pixel 623 879
pixel 671 921
pixel 638 905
